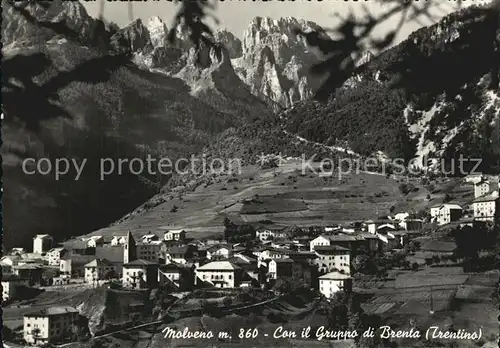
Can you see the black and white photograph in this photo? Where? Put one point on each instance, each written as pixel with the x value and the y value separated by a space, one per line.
pixel 250 174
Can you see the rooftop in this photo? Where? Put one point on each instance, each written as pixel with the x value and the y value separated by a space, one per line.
pixel 45 312
pixel 335 276
pixel 219 266
pixel 42 236
pixel 140 263
pixel 486 198
pixel 329 249
pixel 99 263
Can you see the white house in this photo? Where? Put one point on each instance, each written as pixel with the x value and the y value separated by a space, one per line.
pixel 179 235
pixel 220 250
pixel 445 213
pixel 319 241
pixel 17 251
pixel 385 228
pixel 54 256
pixel 481 188
pixel 265 234
pixel 333 258
pixel 95 241
pixel 401 216
pixel 118 240
pixel 140 274
pixel 97 270
pixel 221 274
pixel 10 260
pixel 486 208
pixel 474 178
pixel 48 324
pixel 330 229
pixel 41 243
pixel 333 282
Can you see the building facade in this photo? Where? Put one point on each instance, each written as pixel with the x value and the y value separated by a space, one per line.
pixel 149 250
pixel 10 285
pixel 50 325
pixel 140 274
pixel 486 208
pixel 333 258
pixel 98 269
pixel 221 274
pixel 331 283
pixel 481 188
pixel 54 256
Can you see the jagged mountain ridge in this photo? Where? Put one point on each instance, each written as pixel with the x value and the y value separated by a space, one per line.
pixel 125 112
pixel 206 70
pixel 275 63
pixel 271 60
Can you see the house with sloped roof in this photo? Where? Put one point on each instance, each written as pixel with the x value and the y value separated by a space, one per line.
pixel 119 240
pixel 333 282
pixel 487 207
pixel 115 254
pixel 221 274
pixel 180 254
pixel 175 235
pixel 74 264
pixel 140 274
pixel 150 250
pixel 445 213
pixel 30 271
pixel 54 255
pixel 220 251
pixel 331 258
pixel 181 277
pixel 42 243
pixel 48 325
pixel 10 286
pixel 99 269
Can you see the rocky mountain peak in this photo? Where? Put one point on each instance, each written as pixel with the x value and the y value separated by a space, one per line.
pixel 275 62
pixel 230 42
pixel 15 27
pixel 265 30
pixel 158 31
pixel 134 37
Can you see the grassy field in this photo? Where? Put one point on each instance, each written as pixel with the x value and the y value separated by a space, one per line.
pixel 283 195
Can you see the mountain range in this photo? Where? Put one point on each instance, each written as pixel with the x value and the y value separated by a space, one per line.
pixel 97 91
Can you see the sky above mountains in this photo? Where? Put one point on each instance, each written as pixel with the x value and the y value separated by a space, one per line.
pixel 236 15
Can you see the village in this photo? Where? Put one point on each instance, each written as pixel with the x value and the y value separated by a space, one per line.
pixel 316 257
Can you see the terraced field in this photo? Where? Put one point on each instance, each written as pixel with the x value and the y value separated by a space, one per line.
pixel 284 195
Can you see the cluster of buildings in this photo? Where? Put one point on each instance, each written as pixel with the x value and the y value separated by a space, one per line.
pixel 169 258
pixel 484 208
